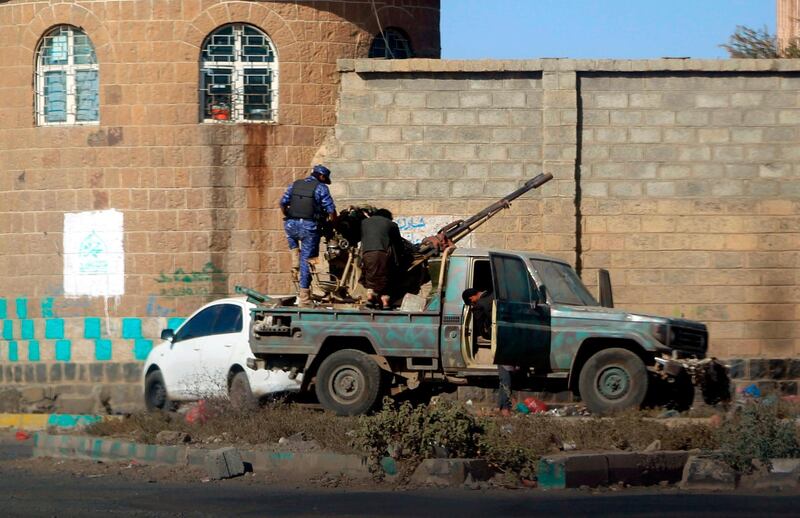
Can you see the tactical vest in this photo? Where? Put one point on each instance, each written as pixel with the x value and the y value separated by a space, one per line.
pixel 301 205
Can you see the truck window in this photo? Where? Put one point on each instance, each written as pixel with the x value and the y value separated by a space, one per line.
pixel 512 281
pixel 481 275
pixel 563 284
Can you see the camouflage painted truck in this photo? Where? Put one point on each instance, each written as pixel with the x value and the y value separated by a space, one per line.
pixel 544 321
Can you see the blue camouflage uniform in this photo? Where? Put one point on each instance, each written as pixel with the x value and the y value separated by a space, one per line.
pixel 304 233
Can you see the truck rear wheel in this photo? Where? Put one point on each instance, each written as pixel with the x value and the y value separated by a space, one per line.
pixel 613 380
pixel 348 382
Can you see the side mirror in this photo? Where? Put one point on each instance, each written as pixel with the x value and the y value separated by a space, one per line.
pixel 542 294
pixel 604 282
pixel 168 335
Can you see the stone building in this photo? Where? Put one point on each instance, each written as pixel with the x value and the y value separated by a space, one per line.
pixel 679 176
pixel 788 16
pixel 169 128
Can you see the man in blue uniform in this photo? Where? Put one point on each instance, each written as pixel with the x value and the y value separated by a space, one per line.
pixel 305 204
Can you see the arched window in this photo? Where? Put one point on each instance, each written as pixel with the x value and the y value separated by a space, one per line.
pixel 238 75
pixel 393 43
pixel 67 81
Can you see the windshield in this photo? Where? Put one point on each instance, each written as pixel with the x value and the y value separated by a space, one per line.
pixel 563 284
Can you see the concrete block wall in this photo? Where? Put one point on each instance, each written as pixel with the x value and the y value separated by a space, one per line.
pixel 690 197
pixel 446 144
pixel 680 176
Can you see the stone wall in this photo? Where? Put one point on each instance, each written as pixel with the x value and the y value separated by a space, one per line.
pixel 680 176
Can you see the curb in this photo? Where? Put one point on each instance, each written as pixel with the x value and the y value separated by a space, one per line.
pixel 598 469
pixel 44 421
pixel 288 465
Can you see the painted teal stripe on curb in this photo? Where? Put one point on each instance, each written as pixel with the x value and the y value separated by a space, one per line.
pixel 131 328
pixel 47 308
pixel 54 328
pixel 8 329
pixel 22 307
pixel 28 330
pixel 33 351
pixel 91 328
pixel 282 455
pixel 102 350
pixel 72 420
pixel 97 448
pixel 3 308
pixel 141 348
pixel 63 350
pixel 13 352
pixel 389 466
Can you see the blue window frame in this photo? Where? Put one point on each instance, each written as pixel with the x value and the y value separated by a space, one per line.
pixel 392 43
pixel 67 78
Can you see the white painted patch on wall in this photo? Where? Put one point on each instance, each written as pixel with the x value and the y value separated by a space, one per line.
pixel 94 260
pixel 415 228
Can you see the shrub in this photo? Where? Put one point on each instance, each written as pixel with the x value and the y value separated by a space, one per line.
pixel 757 432
pixel 410 434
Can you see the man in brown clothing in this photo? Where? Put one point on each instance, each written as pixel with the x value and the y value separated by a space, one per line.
pixel 380 240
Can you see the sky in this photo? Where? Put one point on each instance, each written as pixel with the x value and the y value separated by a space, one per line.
pixel 635 29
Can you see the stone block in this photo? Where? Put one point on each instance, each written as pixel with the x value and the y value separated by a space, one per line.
pixel 570 471
pixel 451 472
pixel 224 463
pixel 70 404
pixel 9 400
pixel 707 474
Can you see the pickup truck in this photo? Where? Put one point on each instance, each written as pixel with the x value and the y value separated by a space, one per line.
pixel 544 320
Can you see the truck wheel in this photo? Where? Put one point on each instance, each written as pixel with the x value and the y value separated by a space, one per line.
pixel 613 380
pixel 348 382
pixel 155 392
pixel 240 394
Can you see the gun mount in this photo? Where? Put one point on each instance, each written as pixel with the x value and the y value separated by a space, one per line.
pixel 343 254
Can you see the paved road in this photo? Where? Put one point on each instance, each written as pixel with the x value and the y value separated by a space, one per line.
pixel 26 494
pixel 34 493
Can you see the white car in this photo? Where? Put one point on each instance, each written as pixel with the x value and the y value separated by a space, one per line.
pixel 207 357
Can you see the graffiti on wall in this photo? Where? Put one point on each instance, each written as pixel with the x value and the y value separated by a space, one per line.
pixel 415 228
pixel 94 260
pixel 181 283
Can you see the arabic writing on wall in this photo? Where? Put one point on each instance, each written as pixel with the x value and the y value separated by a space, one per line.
pixel 181 283
pixel 415 228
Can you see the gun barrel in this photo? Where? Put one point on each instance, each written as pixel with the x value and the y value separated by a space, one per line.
pixel 458 230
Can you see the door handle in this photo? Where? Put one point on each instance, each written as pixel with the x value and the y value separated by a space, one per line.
pixel 228 346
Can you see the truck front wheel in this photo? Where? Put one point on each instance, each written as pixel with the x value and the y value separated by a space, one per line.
pixel 348 382
pixel 613 380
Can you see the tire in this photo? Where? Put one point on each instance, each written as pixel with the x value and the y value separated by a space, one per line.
pixel 155 392
pixel 613 380
pixel 240 394
pixel 348 382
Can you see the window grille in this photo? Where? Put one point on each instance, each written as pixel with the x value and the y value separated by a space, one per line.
pixel 67 80
pixel 391 44
pixel 238 75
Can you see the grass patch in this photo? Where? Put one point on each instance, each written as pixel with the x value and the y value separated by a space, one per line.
pixel 249 427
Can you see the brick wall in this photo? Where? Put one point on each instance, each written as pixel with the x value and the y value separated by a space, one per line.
pixel 679 176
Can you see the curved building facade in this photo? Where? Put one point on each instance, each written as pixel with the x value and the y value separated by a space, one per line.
pixel 144 146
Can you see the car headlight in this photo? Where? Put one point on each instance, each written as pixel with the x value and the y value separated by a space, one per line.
pixel 663 333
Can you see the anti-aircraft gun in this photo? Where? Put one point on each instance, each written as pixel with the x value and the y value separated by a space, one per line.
pixel 341 283
pixel 454 232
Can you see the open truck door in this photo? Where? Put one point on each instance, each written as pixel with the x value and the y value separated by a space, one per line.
pixel 521 316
